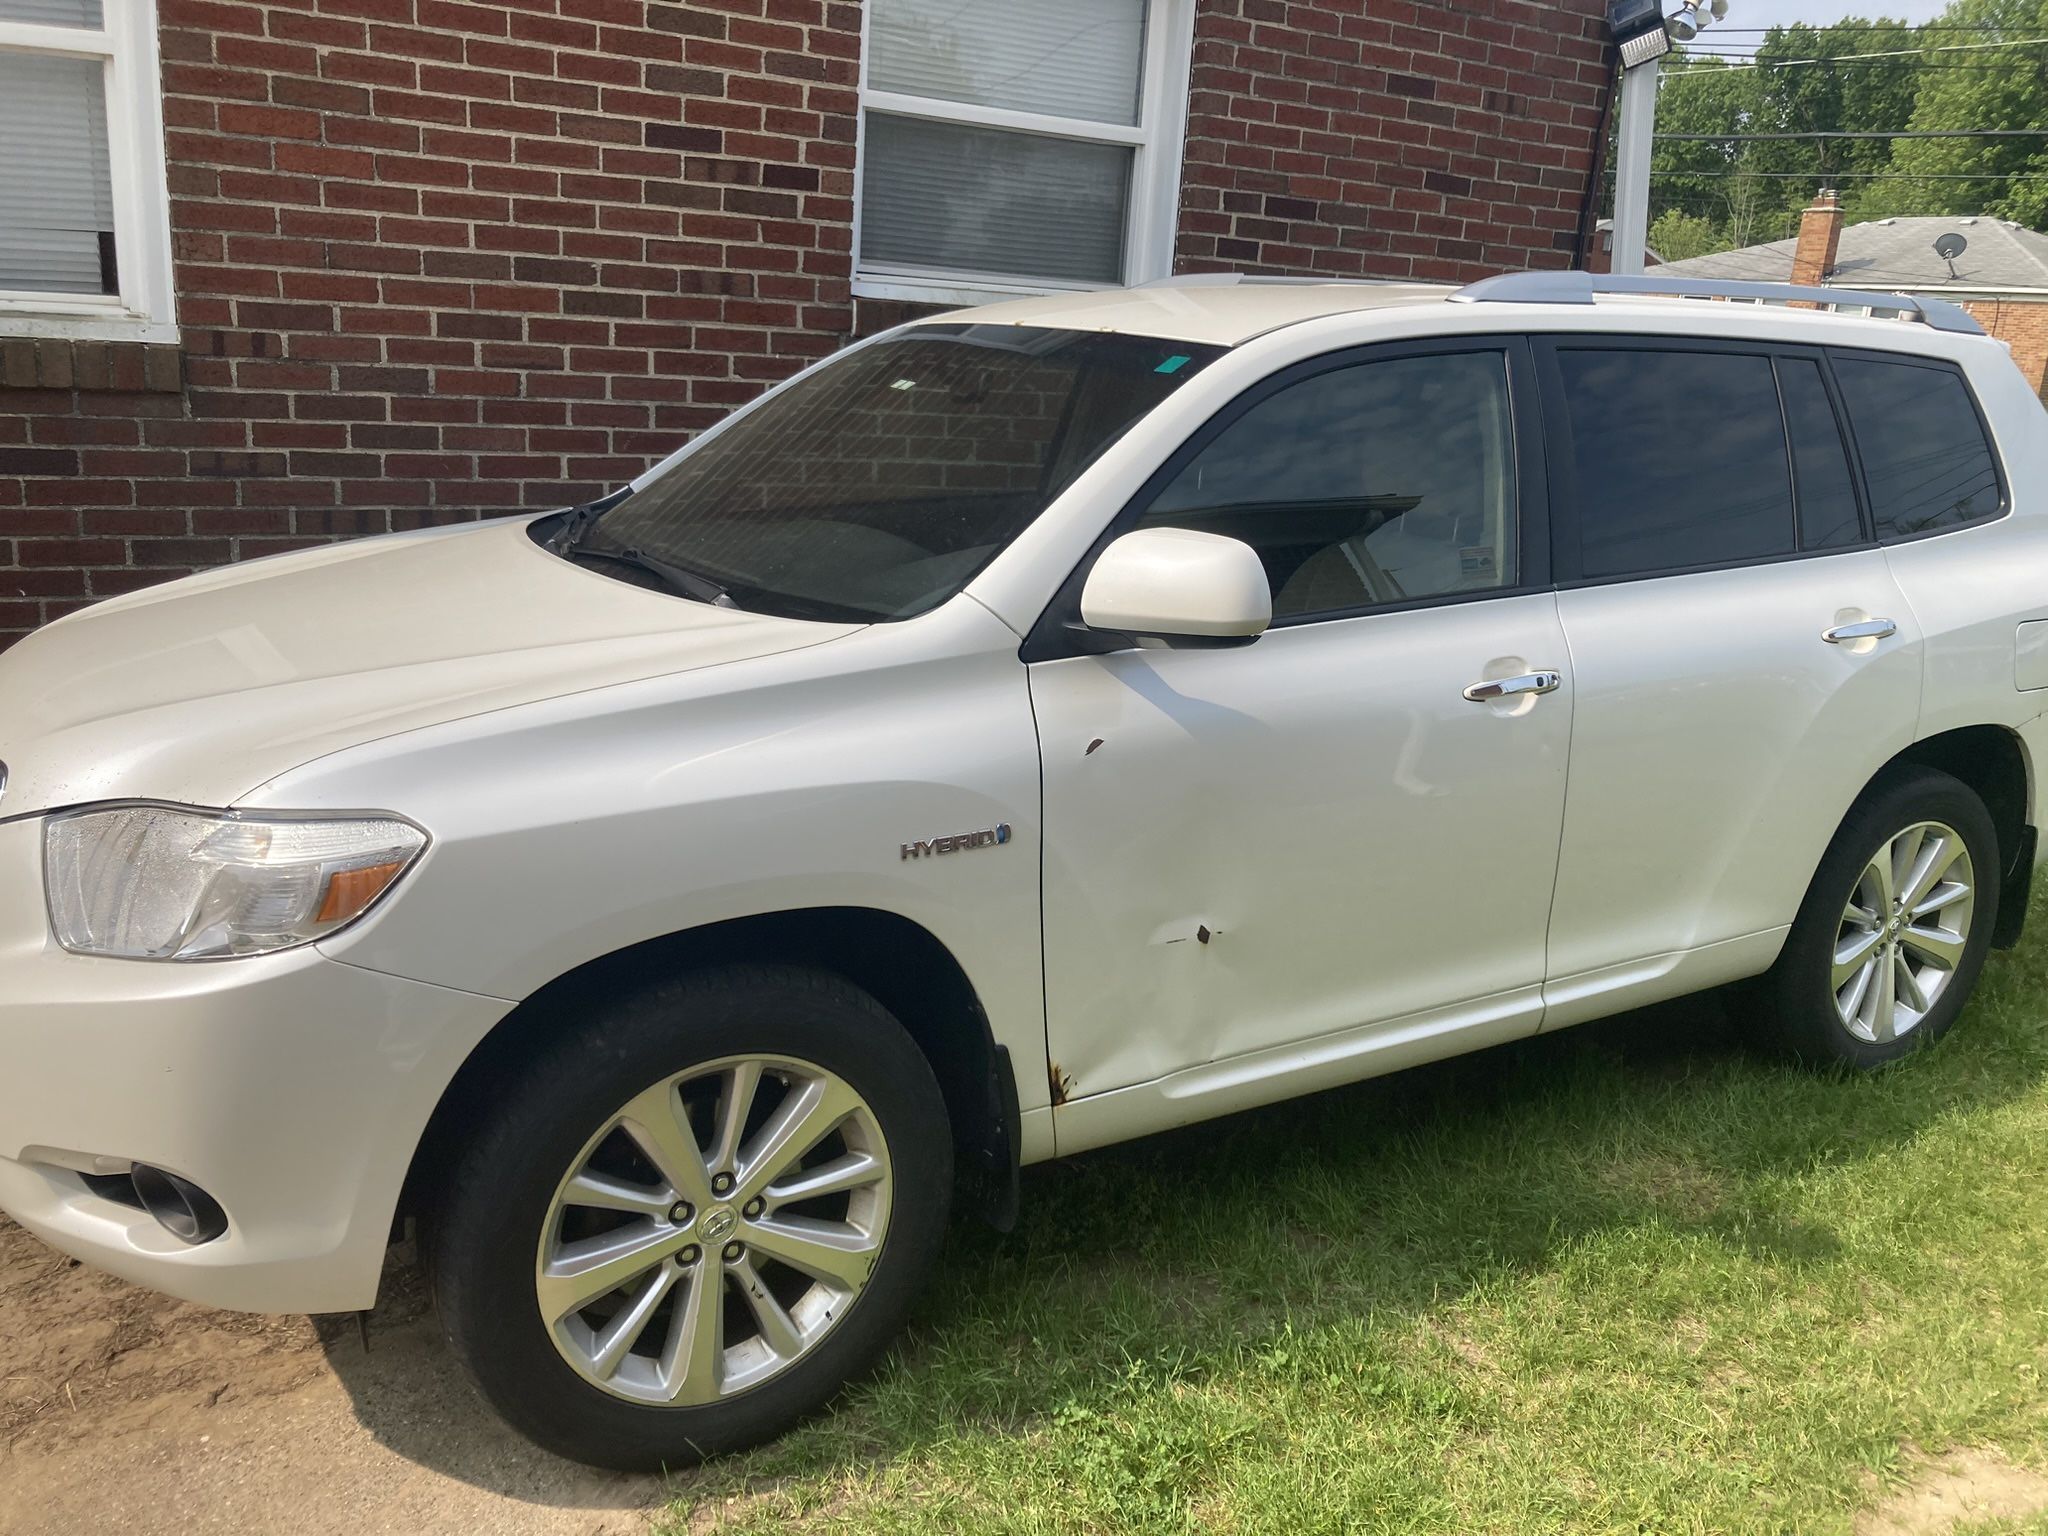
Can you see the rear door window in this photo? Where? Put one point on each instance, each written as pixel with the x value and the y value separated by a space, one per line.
pixel 1820 460
pixel 1677 459
pixel 1926 461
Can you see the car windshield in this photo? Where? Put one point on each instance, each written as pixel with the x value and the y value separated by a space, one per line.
pixel 878 486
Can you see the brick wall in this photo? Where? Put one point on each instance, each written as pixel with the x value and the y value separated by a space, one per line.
pixel 1396 138
pixel 2023 323
pixel 437 259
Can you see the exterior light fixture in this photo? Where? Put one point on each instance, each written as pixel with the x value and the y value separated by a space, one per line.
pixel 1685 26
pixel 1638 29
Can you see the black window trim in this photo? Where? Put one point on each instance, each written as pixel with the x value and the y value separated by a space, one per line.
pixel 1566 556
pixel 2004 508
pixel 1865 525
pixel 1059 632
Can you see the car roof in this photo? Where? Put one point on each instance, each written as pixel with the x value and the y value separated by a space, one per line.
pixel 1225 309
pixel 1219 310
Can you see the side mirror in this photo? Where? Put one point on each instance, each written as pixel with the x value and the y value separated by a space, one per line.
pixel 1180 586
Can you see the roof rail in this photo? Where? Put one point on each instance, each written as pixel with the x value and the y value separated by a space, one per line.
pixel 1580 288
pixel 1266 279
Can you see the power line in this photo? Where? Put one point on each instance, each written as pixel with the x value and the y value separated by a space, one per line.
pixel 1743 63
pixel 1739 58
pixel 1857 133
pixel 1866 26
pixel 1845 58
pixel 1819 174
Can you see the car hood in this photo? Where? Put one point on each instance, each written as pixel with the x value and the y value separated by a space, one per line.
pixel 200 690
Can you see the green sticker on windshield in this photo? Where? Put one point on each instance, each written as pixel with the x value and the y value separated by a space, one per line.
pixel 1173 364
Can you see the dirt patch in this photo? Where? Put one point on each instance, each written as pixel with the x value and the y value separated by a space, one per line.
pixel 87 1356
pixel 1963 1487
pixel 124 1410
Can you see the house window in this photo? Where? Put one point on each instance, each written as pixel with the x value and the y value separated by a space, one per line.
pixel 84 221
pixel 1019 146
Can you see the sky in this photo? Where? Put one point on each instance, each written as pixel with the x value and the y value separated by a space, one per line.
pixel 1766 13
pixel 1747 19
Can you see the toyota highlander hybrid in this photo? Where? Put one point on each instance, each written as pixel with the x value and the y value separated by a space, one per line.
pixel 1026 730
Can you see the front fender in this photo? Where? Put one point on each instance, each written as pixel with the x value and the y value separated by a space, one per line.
pixel 580 827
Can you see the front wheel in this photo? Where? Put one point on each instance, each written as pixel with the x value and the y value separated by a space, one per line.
pixel 1894 928
pixel 693 1219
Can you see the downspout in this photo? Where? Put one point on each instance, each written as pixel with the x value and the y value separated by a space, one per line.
pixel 1589 210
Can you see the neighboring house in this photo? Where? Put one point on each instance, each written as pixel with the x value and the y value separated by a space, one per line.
pixel 1600 255
pixel 2001 277
pixel 280 271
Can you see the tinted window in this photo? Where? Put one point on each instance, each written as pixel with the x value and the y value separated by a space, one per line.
pixel 1680 460
pixel 1925 459
pixel 1820 462
pixel 1379 483
pixel 878 486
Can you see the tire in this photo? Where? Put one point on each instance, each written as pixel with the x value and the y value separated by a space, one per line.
pixel 1801 1010
pixel 505 1237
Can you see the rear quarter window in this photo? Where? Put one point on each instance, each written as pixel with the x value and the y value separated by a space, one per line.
pixel 1926 460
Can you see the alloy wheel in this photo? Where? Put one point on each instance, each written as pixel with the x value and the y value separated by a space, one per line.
pixel 1903 932
pixel 714 1231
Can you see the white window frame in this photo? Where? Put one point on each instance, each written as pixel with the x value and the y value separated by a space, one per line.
pixel 1153 214
pixel 144 309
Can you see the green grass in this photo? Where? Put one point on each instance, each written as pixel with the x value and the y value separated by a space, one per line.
pixel 1628 1278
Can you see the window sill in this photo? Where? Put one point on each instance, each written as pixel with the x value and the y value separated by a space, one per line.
pixel 83 323
pixel 956 291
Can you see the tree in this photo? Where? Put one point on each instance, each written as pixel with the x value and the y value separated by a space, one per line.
pixel 1857 75
pixel 2003 87
pixel 1679 236
pixel 1753 189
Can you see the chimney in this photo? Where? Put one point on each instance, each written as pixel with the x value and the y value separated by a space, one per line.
pixel 1820 233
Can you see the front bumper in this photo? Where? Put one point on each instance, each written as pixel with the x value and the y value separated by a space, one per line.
pixel 291 1087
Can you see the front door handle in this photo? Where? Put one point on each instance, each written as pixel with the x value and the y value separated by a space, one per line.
pixel 1869 629
pixel 1508 687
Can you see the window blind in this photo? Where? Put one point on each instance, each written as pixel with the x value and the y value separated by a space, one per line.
pixel 56 190
pixel 1065 58
pixel 55 13
pixel 984 200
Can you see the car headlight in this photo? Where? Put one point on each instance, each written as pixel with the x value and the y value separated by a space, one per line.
pixel 162 882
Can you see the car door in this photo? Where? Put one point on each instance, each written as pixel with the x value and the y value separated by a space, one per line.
pixel 1743 660
pixel 1339 840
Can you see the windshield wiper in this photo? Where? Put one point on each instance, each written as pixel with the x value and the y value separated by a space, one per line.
pixel 689 583
pixel 563 540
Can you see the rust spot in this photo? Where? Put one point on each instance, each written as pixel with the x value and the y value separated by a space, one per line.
pixel 1061 1084
pixel 1092 746
pixel 1202 934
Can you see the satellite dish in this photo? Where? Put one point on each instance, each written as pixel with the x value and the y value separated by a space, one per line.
pixel 1948 247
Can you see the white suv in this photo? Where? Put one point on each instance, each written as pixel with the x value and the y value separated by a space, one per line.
pixel 1026 730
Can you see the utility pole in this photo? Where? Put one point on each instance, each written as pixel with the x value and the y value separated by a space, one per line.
pixel 1637 128
pixel 1643 37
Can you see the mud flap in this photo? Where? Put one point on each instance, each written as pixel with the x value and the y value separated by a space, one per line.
pixel 998 1176
pixel 2014 893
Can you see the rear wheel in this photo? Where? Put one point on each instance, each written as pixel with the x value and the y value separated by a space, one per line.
pixel 1895 926
pixel 692 1220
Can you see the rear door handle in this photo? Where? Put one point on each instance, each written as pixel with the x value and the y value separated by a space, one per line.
pixel 1508 687
pixel 1869 629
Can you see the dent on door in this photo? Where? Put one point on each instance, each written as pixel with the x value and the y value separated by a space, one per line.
pixel 1255 848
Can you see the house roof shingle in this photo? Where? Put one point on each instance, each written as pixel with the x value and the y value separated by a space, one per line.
pixel 1898 253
